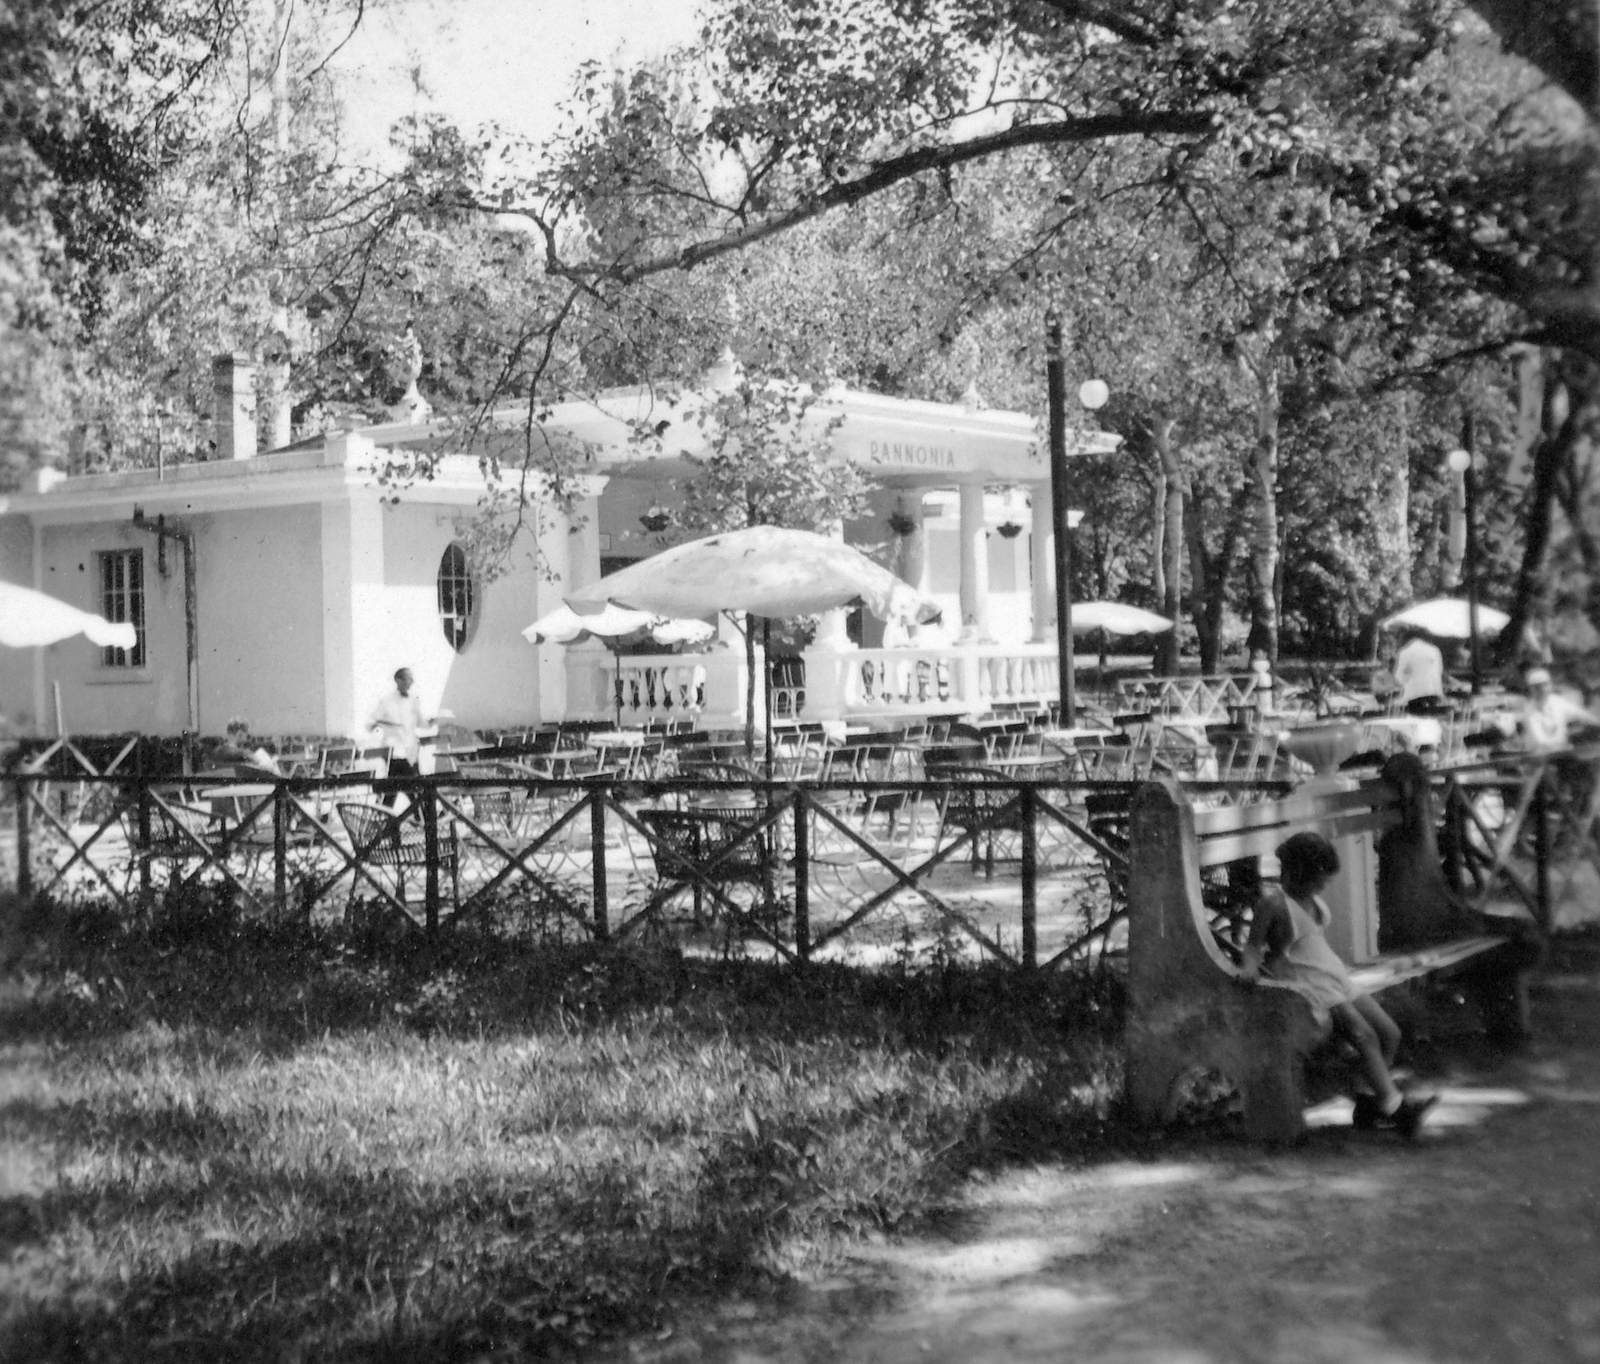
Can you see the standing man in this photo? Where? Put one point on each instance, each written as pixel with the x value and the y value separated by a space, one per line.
pixel 1419 670
pixel 398 717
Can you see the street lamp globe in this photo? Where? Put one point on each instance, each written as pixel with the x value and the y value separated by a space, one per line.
pixel 1093 393
pixel 1459 461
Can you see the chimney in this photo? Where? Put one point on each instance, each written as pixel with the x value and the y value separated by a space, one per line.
pixel 233 391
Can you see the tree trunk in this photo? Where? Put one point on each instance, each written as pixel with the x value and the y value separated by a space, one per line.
pixel 1167 544
pixel 1391 527
pixel 1569 492
pixel 1264 521
pixel 1549 456
pixel 1210 574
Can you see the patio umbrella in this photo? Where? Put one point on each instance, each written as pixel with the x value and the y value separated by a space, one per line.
pixel 29 619
pixel 1446 618
pixel 766 571
pixel 1116 618
pixel 563 625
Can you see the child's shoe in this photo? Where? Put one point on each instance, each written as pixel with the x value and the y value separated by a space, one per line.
pixel 1407 1119
pixel 1367 1114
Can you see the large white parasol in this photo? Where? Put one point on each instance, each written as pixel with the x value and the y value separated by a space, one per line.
pixel 563 625
pixel 1116 618
pixel 29 619
pixel 1446 618
pixel 765 570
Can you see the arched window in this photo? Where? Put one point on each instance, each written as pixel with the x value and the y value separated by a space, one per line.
pixel 455 596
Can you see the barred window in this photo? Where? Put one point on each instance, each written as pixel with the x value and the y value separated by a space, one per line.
pixel 122 599
pixel 455 597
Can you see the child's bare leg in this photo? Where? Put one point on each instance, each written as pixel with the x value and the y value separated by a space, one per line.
pixel 1387 1029
pixel 1354 1025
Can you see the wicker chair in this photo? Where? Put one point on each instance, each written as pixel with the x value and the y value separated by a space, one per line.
pixel 381 838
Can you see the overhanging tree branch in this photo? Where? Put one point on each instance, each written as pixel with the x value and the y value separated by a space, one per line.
pixel 880 177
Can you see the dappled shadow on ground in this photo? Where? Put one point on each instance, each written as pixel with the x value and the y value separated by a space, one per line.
pixel 1480 1242
pixel 241 1145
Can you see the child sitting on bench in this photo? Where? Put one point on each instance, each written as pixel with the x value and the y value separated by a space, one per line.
pixel 1287 941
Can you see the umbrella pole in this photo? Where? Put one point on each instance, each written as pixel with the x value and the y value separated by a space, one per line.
pixel 749 690
pixel 766 686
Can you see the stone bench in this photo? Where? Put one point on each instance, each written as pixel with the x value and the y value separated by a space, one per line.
pixel 1395 919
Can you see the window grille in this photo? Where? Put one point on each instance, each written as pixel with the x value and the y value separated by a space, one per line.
pixel 122 599
pixel 455 597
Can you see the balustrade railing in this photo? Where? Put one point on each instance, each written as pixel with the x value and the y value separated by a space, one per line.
pixel 973 679
pixel 657 690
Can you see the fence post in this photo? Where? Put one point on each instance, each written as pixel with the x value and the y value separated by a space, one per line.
pixel 597 840
pixel 430 854
pixel 1541 847
pixel 1030 880
pixel 802 879
pixel 144 843
pixel 1455 823
pixel 24 839
pixel 280 849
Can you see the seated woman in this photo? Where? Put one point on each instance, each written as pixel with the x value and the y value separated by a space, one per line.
pixel 239 749
pixel 1288 943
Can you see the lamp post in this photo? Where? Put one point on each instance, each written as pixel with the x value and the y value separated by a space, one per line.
pixel 1460 462
pixel 1092 395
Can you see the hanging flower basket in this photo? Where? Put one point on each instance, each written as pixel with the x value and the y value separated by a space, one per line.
pixel 1009 529
pixel 656 519
pixel 901 524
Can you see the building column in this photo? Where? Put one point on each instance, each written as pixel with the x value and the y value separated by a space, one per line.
pixel 911 560
pixel 974 566
pixel 583 543
pixel 356 654
pixel 572 684
pixel 832 633
pixel 1042 564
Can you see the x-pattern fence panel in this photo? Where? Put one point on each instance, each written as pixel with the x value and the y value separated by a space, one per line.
pixel 1021 871
pixel 1523 830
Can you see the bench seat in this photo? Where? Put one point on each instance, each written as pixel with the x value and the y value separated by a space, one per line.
pixel 1189 1012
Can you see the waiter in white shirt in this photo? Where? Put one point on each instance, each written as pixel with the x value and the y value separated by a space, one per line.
pixel 398 717
pixel 1419 669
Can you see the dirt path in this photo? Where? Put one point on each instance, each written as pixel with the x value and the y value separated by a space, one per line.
pixel 1482 1242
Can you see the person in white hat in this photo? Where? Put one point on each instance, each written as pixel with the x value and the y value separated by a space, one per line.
pixel 1548 717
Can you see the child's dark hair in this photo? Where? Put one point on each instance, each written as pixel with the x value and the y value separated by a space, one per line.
pixel 1304 860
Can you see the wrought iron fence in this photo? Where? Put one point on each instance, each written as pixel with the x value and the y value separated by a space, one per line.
pixel 1024 871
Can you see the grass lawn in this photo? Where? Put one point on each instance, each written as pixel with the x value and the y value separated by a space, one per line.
pixel 219 1142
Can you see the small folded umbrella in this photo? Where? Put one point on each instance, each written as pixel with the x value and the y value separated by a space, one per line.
pixel 1446 618
pixel 563 625
pixel 29 619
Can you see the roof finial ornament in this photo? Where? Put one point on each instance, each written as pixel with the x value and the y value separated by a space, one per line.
pixel 412 409
pixel 724 376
